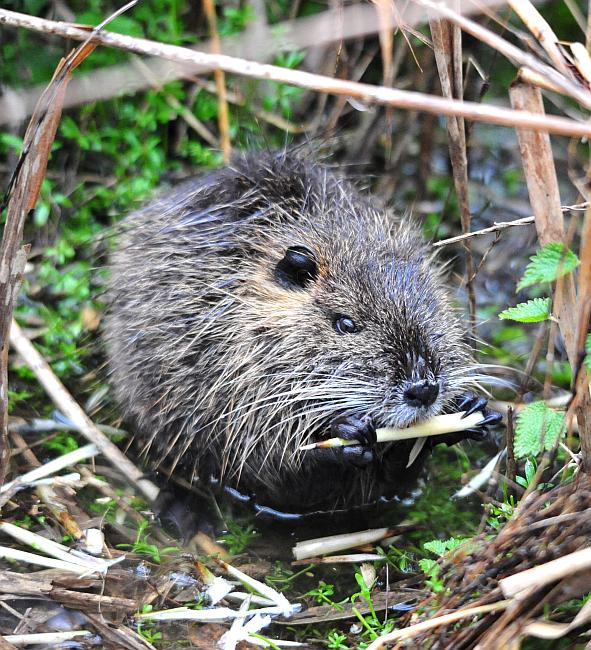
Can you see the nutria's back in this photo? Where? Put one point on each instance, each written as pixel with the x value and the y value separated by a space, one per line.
pixel 251 307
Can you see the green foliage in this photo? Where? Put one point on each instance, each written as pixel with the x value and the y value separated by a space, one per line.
pixel 431 567
pixel 530 472
pixel 147 629
pixel 548 264
pixel 373 626
pixel 532 311
pixel 441 547
pixel 400 559
pixel 588 352
pixel 236 19
pixel 14 397
pixel 512 180
pixel 322 595
pixel 238 537
pixel 335 641
pixel 63 443
pixel 537 428
pixel 143 547
pixel 283 576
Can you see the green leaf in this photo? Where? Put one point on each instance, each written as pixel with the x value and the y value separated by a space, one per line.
pixel 588 352
pixel 437 546
pixel 548 264
pixel 537 428
pixel 440 547
pixel 427 566
pixel 532 311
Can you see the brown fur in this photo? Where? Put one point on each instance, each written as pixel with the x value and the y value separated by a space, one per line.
pixel 222 371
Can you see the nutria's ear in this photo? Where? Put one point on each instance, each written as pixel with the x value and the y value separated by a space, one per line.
pixel 297 268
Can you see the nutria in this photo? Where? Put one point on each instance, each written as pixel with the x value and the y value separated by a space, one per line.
pixel 269 304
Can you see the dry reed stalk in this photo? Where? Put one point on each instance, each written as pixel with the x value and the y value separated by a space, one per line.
pixel 447 46
pixel 547 573
pixel 536 79
pixel 220 82
pixel 70 408
pixel 337 24
pixel 386 21
pixel 582 402
pixel 424 626
pixel 582 60
pixel 519 57
pixel 366 92
pixel 22 196
pixel 542 31
pixel 542 184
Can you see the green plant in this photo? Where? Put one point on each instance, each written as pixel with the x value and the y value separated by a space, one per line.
pixel 147 629
pixel 531 311
pixel 373 626
pixel 537 428
pixel 64 442
pixel 238 537
pixel 322 593
pixel 283 577
pixel 16 396
pixel 550 263
pixel 398 558
pixel 431 567
pixel 143 547
pixel 334 641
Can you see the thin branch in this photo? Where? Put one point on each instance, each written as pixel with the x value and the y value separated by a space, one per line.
pixel 366 92
pixel 502 225
pixel 496 227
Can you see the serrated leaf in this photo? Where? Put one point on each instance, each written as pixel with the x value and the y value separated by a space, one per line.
pixel 537 428
pixel 532 311
pixel 548 264
pixel 440 547
pixel 437 546
pixel 427 566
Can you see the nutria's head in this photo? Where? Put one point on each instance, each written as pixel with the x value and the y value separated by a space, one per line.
pixel 253 306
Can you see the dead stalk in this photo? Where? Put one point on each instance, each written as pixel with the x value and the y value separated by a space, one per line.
pixel 372 94
pixel 220 81
pixel 542 184
pixel 447 46
pixel 70 408
pixel 414 630
pixel 544 34
pixel 513 53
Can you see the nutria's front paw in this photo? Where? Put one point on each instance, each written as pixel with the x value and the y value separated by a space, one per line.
pixel 471 403
pixel 351 427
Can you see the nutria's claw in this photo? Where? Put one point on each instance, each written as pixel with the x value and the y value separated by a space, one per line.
pixel 471 403
pixel 351 427
pixel 490 417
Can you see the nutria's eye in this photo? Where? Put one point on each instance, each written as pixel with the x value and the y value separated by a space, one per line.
pixel 345 325
pixel 297 268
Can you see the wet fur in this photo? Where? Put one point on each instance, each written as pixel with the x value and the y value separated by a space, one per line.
pixel 222 371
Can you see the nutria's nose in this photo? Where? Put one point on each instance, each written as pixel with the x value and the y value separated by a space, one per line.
pixel 421 393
